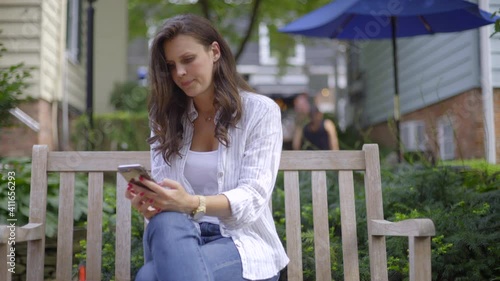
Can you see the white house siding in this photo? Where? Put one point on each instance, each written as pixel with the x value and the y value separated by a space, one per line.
pixel 20 22
pixel 31 32
pixel 75 85
pixel 495 61
pixel 431 69
pixel 50 51
pixel 74 77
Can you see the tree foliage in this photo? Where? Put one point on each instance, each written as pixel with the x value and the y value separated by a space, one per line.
pixel 13 80
pixel 497 26
pixel 237 20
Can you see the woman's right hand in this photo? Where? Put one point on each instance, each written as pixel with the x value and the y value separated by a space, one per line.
pixel 140 201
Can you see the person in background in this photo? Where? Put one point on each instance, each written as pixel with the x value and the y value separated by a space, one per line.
pixel 302 107
pixel 215 153
pixel 318 134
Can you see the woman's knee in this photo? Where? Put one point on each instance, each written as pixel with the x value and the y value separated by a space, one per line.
pixel 175 218
pixel 170 224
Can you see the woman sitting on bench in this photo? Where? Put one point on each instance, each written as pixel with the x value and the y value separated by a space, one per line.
pixel 215 152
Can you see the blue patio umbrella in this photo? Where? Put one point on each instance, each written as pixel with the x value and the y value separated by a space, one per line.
pixel 382 19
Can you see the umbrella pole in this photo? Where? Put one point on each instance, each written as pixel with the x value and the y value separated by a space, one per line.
pixel 396 90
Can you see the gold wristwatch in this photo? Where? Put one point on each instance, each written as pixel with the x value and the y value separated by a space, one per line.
pixel 200 211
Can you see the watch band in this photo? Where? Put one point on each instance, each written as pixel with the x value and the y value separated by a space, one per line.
pixel 200 211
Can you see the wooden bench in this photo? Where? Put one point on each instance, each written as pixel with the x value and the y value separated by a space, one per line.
pixel 418 231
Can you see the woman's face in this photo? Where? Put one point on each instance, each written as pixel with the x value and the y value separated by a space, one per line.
pixel 191 64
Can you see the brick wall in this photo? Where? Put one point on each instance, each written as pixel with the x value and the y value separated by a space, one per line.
pixel 18 140
pixel 466 111
pixel 384 135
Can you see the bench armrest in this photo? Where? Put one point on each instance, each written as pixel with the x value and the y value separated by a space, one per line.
pixel 410 227
pixel 28 232
pixel 419 232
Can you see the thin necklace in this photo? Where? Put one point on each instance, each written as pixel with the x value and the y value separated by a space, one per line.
pixel 209 118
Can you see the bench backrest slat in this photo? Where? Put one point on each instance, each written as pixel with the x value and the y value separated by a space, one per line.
pixel 348 225
pixel 101 161
pixel 38 210
pixel 123 231
pixel 293 225
pixel 322 160
pixel 4 262
pixel 374 211
pixel 321 228
pixel 94 226
pixel 65 226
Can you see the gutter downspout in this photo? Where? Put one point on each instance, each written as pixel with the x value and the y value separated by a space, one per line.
pixel 487 88
pixel 63 77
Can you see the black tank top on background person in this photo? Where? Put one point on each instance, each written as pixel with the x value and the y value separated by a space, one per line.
pixel 315 140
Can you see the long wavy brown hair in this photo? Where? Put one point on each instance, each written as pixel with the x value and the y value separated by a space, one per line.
pixel 168 103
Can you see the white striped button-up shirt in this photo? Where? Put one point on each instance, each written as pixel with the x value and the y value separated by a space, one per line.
pixel 246 174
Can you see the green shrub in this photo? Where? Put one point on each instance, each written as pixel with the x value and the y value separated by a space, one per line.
pixel 466 217
pixel 129 96
pixel 113 131
pixel 13 81
pixel 463 203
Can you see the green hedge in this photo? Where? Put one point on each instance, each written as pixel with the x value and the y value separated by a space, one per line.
pixel 121 130
pixel 463 203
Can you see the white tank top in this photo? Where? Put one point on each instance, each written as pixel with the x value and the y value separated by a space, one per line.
pixel 201 173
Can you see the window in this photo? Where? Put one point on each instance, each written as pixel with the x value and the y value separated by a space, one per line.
pixel 265 53
pixel 413 136
pixel 73 30
pixel 446 138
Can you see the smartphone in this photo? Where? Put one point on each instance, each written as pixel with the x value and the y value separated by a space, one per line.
pixel 132 172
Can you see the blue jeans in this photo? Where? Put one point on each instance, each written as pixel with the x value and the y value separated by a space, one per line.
pixel 175 250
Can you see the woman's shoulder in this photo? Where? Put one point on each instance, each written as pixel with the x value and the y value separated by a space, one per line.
pixel 257 101
pixel 328 124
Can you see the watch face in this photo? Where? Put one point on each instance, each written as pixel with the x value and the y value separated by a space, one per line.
pixel 198 215
pixel 200 212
